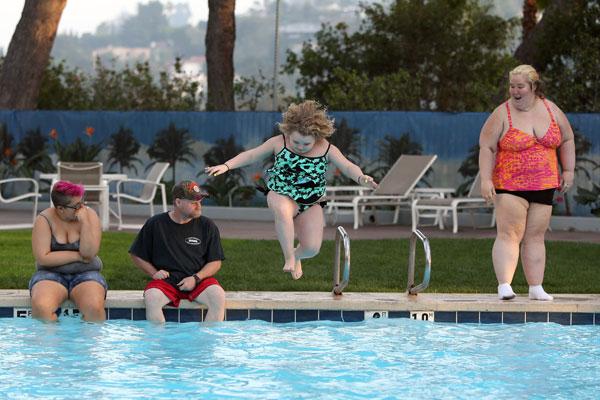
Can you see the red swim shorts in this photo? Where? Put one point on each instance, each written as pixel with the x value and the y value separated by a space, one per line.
pixel 175 295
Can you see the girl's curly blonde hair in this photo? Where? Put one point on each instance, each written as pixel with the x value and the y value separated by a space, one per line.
pixel 308 118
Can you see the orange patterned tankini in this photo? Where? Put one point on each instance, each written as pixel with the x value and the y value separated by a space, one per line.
pixel 524 162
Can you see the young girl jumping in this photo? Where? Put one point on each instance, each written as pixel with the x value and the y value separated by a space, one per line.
pixel 296 182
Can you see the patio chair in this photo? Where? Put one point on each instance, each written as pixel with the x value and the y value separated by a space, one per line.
pixel 453 205
pixel 33 193
pixel 394 189
pixel 146 195
pixel 88 174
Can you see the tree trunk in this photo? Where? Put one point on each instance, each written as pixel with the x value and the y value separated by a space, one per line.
pixel 28 54
pixel 220 41
pixel 529 16
pixel 526 52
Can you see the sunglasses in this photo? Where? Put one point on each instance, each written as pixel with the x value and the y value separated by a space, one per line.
pixel 76 207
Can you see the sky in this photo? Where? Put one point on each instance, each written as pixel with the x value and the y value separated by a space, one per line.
pixel 83 16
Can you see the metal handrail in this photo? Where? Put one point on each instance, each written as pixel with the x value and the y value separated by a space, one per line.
pixel 412 289
pixel 341 238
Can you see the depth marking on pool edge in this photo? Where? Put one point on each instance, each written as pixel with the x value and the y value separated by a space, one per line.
pixel 423 315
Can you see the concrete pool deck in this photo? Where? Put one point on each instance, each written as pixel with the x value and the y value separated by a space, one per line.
pixel 300 306
pixel 303 306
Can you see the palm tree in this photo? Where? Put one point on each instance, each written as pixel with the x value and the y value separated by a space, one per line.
pixel 172 145
pixel 122 149
pixel 34 150
pixel 347 140
pixel 220 41
pixel 227 187
pixel 390 149
pixel 28 53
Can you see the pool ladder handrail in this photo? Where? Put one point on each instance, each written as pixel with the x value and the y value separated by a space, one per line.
pixel 341 239
pixel 411 288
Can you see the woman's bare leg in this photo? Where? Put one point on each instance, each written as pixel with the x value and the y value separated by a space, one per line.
pixel 46 297
pixel 511 219
pixel 533 249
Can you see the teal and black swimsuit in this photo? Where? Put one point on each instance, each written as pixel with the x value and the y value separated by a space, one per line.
pixel 299 177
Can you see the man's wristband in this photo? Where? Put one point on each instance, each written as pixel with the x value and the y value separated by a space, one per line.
pixel 197 279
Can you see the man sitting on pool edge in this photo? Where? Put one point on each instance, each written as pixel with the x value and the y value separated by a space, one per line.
pixel 181 251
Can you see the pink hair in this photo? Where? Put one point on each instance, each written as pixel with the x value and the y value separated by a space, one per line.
pixel 67 188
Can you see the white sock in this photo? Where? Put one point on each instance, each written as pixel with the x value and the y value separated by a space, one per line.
pixel 505 292
pixel 536 292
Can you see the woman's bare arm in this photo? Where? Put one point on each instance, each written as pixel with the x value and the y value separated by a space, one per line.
pixel 40 245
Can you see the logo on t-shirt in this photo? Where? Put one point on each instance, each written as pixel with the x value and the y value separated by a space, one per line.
pixel 194 241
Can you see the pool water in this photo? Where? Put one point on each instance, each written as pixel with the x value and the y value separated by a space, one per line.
pixel 375 359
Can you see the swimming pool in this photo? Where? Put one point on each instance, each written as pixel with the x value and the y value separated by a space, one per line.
pixel 374 359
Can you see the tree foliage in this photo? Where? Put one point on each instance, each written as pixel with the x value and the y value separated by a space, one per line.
pixel 130 88
pixel 440 55
pixel 226 188
pixel 568 56
pixel 123 148
pixel 34 151
pixel 172 145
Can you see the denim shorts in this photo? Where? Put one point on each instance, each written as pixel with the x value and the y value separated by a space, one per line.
pixel 69 281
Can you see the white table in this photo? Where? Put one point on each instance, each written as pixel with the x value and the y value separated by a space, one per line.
pixel 103 189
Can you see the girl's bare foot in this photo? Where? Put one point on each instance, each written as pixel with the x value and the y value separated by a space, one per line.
pixel 290 265
pixel 297 272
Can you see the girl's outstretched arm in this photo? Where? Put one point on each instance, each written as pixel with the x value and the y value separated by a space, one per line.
pixel 245 158
pixel 350 169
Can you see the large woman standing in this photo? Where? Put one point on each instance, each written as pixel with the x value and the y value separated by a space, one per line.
pixel 65 241
pixel 519 169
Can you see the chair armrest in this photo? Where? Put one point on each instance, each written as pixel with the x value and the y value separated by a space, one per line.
pixel 8 180
pixel 135 180
pixel 34 193
pixel 442 192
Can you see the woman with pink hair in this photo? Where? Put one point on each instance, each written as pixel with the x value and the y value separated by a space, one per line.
pixel 65 242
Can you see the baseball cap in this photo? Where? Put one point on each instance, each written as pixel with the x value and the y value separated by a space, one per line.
pixel 188 190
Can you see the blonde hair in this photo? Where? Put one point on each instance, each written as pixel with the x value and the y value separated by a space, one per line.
pixel 532 77
pixel 308 118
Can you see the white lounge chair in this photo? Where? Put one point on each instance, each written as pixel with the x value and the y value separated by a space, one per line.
pixel 147 193
pixel 394 189
pixel 453 205
pixel 32 193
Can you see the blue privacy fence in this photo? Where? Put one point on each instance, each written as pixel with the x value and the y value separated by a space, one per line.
pixel 449 135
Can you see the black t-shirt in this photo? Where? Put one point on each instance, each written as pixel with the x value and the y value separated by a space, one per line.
pixel 180 249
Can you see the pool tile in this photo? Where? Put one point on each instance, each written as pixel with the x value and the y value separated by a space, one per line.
pixel 582 319
pixel 597 319
pixel 306 315
pixel 445 316
pixel 119 313
pixel 171 314
pixel 490 317
pixel 330 315
pixel 283 316
pixel 399 314
pixel 563 318
pixel 511 317
pixel 264 315
pixel 353 316
pixel 237 315
pixel 536 317
pixel 6 312
pixel 190 315
pixel 467 316
pixel 139 314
